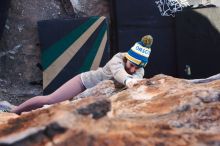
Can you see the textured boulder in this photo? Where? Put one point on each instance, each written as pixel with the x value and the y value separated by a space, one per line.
pixel 159 111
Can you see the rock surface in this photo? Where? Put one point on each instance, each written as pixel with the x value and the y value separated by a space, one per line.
pixel 161 111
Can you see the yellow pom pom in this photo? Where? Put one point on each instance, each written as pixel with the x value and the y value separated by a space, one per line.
pixel 147 40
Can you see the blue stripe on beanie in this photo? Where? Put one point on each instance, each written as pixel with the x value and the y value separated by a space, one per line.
pixel 138 56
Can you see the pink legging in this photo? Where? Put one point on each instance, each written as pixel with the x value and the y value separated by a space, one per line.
pixel 67 91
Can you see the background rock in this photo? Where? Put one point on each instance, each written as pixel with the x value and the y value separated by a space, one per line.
pixel 91 8
pixel 19 46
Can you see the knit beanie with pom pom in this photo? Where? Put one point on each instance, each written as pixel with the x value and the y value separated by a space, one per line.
pixel 140 52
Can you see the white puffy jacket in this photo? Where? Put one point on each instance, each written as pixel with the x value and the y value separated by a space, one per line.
pixel 114 69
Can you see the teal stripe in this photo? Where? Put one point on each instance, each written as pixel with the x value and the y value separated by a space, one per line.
pixel 93 51
pixel 50 54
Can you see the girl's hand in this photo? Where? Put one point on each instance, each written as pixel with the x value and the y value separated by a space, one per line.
pixel 130 82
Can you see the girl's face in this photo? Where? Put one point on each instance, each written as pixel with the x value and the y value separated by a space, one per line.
pixel 130 67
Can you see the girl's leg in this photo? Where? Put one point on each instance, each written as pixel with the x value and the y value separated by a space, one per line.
pixel 68 90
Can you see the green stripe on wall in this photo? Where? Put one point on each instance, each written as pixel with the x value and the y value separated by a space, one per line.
pixel 53 52
pixel 92 53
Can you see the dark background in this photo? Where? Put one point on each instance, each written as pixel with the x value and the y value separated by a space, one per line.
pixel 4 5
pixel 185 46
